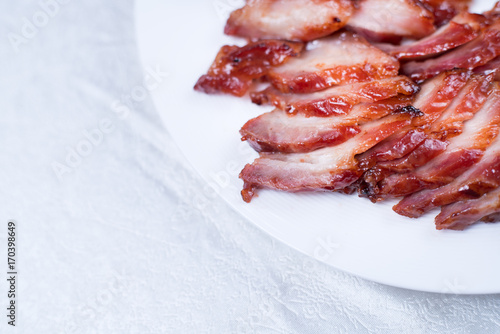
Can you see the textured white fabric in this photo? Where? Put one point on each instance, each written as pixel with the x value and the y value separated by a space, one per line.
pixel 125 241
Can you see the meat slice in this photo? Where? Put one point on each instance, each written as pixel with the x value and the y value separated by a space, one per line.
pixel 448 159
pixel 330 168
pixel 434 97
pixel 476 181
pixel 445 10
pixel 302 20
pixel 469 56
pixel 460 215
pixel 279 131
pixel 481 178
pixel 431 140
pixel 462 29
pixel 235 67
pixel 463 107
pixel 391 20
pixel 343 58
pixel 336 100
pixel 493 66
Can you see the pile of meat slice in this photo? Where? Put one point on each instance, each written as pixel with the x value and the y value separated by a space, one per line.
pixel 387 98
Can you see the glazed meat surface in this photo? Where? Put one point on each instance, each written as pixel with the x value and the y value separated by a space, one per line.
pixel 330 168
pixel 476 53
pixel 462 29
pixel 493 66
pixel 445 10
pixel 459 215
pixel 475 181
pixel 235 67
pixel 434 97
pixel 279 131
pixel 343 58
pixel 337 100
pixel 391 20
pixel 302 20
pixel 439 161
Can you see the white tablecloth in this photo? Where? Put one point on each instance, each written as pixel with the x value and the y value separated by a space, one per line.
pixel 113 235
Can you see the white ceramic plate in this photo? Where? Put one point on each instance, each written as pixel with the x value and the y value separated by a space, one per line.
pixel 347 232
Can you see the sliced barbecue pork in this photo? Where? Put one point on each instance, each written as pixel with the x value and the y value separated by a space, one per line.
pixel 476 53
pixel 434 97
pixel 279 131
pixel 438 161
pixel 337 100
pixel 493 66
pixel 330 168
pixel 391 20
pixel 343 58
pixel 302 20
pixel 481 178
pixel 235 67
pixel 462 29
pixel 460 215
pixel 445 10
pixel 474 182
